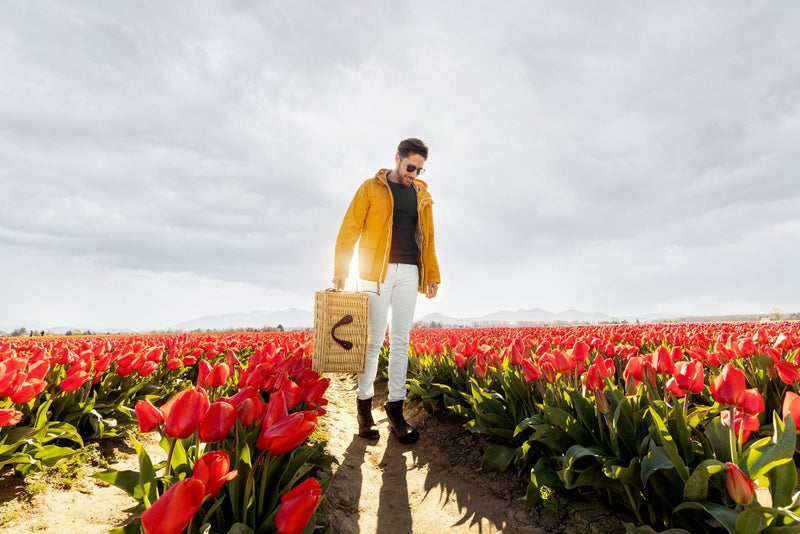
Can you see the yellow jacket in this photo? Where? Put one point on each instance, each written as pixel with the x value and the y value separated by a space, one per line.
pixel 369 221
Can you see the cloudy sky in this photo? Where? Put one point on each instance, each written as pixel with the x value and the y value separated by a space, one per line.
pixel 161 161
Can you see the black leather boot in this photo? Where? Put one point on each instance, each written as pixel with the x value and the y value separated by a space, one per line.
pixel 397 422
pixel 366 425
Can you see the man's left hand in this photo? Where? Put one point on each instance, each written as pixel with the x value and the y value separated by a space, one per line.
pixel 433 288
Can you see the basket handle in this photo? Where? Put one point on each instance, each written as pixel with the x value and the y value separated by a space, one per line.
pixel 346 345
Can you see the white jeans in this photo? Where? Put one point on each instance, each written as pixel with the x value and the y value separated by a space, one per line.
pixel 398 292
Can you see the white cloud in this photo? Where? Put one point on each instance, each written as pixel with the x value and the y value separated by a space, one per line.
pixel 625 159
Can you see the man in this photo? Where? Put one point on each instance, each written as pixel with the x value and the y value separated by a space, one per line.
pixel 391 217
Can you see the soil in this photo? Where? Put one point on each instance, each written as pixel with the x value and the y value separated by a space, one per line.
pixel 379 486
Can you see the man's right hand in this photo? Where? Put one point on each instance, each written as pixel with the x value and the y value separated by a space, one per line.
pixel 338 282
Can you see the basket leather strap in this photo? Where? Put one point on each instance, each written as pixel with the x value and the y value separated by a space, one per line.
pixel 346 345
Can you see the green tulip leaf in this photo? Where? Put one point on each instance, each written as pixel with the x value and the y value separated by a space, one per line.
pixel 16 436
pixel 497 458
pixel 147 474
pixel 592 476
pixel 60 430
pixel 767 453
pixel 782 483
pixel 586 411
pixel 655 459
pixel 661 434
pixel 696 488
pixel 17 459
pixel 785 522
pixel 134 527
pixel 240 528
pixel 627 475
pixel 576 452
pixel 41 414
pixel 755 519
pixel 51 454
pixel 623 426
pixel 543 474
pixel 127 481
pixel 684 443
pixel 718 436
pixel 647 529
pixel 566 422
pixel 726 517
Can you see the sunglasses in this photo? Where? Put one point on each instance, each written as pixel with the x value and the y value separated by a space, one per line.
pixel 414 168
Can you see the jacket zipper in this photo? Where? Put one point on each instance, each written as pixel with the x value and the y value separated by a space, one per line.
pixel 421 241
pixel 388 236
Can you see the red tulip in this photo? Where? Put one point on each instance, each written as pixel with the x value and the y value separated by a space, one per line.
pixel 548 371
pixel 246 392
pixel 231 358
pixel 672 387
pixel 728 387
pixel 751 424
pixel 9 417
pixel 460 360
pixel 312 394
pixel 689 376
pixel 148 415
pixel 752 402
pixel 787 371
pixel 203 370
pixel 662 361
pixel 275 409
pixel 640 369
pixel 219 375
pixel 25 392
pixel 217 422
pixel 740 488
pixel 287 433
pixel 791 408
pixel 10 381
pixel 517 351
pixel 213 470
pixel 74 381
pixel 148 368
pixel 561 362
pixel 530 371
pixel 297 506
pixel 185 413
pixel 291 391
pixel 593 380
pixel 38 369
pixel 175 508
pixel 249 410
pixel 580 351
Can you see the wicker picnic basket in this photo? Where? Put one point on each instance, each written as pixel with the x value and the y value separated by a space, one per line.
pixel 341 331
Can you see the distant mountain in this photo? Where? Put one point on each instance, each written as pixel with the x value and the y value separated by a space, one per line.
pixel 533 315
pixel 289 318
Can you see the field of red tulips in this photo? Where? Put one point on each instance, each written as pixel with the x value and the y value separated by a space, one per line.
pixel 690 427
pixel 234 412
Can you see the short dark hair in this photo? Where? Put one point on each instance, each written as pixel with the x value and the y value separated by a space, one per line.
pixel 412 146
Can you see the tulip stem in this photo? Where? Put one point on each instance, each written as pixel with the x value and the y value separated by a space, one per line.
pixel 686 407
pixel 734 454
pixel 249 484
pixel 262 494
pixel 169 456
pixel 633 504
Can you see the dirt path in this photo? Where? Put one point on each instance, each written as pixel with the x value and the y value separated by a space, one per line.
pixel 379 486
pixel 431 486
pixel 41 505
